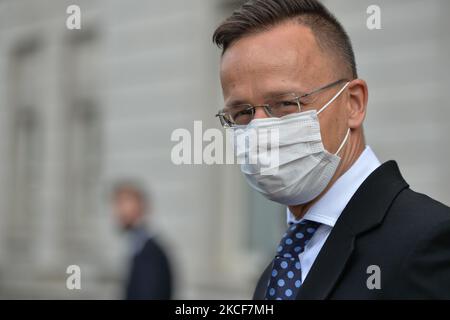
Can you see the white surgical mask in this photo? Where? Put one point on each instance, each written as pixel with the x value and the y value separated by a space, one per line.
pixel 303 167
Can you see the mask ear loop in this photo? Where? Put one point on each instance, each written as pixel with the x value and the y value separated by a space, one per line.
pixel 330 102
pixel 332 99
pixel 343 141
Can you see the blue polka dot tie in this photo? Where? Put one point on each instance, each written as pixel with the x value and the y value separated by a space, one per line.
pixel 286 276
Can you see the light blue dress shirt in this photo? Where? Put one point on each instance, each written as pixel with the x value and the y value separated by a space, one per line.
pixel 328 209
pixel 137 237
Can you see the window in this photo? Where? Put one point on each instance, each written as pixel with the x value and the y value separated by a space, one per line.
pixel 83 131
pixel 26 148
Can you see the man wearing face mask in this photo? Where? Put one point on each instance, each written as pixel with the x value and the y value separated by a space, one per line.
pixel 356 230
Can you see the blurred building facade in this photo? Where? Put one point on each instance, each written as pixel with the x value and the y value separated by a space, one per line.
pixel 81 109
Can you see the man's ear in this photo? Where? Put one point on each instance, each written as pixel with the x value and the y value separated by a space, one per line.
pixel 357 103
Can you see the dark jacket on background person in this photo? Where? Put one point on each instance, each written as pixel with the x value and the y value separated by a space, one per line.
pixel 150 275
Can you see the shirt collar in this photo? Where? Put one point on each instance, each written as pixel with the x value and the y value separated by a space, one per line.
pixel 138 236
pixel 328 209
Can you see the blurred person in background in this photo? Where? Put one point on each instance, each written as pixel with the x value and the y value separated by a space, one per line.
pixel 150 276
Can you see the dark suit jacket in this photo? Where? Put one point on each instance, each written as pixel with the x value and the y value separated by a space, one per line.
pixel 150 275
pixel 386 224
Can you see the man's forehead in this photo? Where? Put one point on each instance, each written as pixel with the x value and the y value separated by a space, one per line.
pixel 285 58
pixel 289 45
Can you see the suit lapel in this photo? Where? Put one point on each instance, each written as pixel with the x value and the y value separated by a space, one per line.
pixel 365 210
pixel 261 287
pixel 328 266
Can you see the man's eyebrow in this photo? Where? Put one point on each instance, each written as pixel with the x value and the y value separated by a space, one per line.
pixel 236 102
pixel 278 93
pixel 268 95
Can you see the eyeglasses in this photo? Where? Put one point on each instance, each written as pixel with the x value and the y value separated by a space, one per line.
pixel 277 107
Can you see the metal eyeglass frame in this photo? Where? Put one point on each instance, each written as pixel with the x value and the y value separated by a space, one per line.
pixel 267 108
